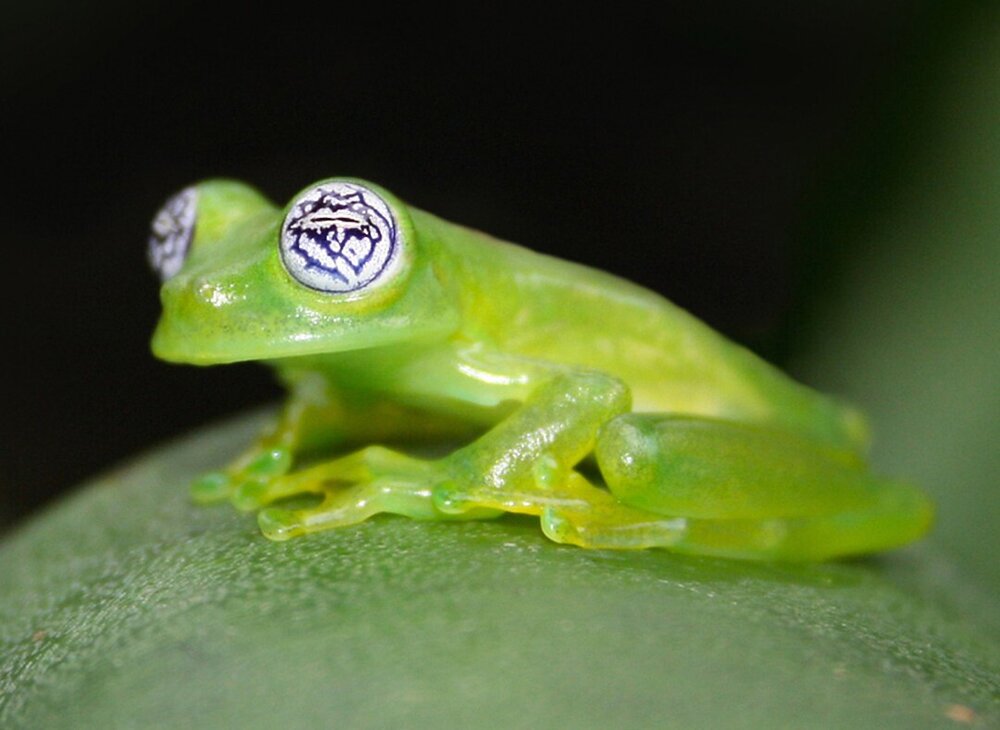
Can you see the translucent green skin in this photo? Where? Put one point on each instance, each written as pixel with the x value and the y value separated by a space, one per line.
pixel 539 365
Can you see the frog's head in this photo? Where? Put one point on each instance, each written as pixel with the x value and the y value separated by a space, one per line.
pixel 342 267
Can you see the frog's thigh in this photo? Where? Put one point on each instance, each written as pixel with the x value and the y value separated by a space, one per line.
pixel 742 491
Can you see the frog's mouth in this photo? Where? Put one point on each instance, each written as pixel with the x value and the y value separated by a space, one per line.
pixel 218 320
pixel 199 331
pixel 179 343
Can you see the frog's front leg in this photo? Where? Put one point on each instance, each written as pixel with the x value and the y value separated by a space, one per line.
pixel 353 488
pixel 270 455
pixel 524 464
pixel 315 417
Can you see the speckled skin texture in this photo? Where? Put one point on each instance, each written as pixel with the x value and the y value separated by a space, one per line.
pixel 126 606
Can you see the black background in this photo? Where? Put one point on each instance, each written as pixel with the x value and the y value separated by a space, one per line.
pixel 687 149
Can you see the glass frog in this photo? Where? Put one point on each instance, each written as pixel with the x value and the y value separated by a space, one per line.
pixel 617 418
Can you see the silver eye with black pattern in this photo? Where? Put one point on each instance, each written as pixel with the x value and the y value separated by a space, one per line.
pixel 172 233
pixel 340 237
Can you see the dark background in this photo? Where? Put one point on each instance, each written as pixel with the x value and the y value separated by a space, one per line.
pixel 693 150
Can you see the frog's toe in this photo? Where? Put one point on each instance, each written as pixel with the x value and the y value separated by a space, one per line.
pixel 279 524
pixel 270 462
pixel 556 526
pixel 250 495
pixel 337 509
pixel 454 501
pixel 612 527
pixel 450 499
pixel 258 492
pixel 212 487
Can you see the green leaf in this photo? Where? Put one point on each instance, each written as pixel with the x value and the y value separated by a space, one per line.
pixel 127 606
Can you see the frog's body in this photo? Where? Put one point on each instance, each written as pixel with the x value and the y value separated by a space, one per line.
pixel 704 447
pixel 560 312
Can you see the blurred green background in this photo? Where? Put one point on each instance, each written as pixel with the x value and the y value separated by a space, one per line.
pixel 906 319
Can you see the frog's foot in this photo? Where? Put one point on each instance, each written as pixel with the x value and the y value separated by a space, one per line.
pixel 571 510
pixel 352 489
pixel 546 486
pixel 785 539
pixel 256 467
pixel 608 524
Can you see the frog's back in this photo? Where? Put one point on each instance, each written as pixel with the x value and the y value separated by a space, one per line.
pixel 537 306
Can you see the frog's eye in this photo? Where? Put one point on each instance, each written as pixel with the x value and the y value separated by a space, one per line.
pixel 340 237
pixel 171 234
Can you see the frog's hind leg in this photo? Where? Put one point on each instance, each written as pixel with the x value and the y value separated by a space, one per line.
pixel 620 527
pixel 720 488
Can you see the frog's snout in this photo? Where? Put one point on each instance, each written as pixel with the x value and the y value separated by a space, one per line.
pixel 192 308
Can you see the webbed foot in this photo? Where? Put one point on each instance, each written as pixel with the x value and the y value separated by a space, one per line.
pixel 257 466
pixel 351 489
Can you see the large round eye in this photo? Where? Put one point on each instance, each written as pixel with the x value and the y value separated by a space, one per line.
pixel 340 237
pixel 172 231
